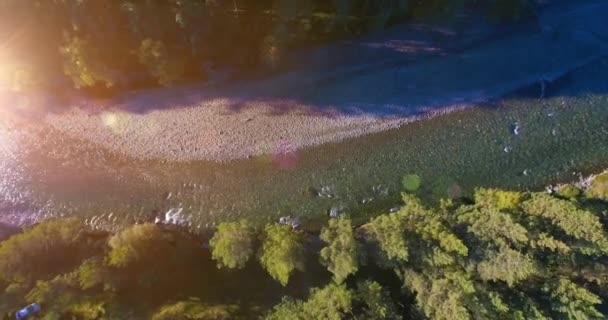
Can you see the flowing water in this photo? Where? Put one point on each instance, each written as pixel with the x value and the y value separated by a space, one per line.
pixel 45 174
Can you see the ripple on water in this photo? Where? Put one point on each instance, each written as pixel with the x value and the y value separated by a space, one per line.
pixel 15 201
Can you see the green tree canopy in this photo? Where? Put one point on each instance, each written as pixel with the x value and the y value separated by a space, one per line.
pixel 138 245
pixel 282 252
pixel 193 310
pixel 233 244
pixel 44 251
pixel 332 302
pixel 340 254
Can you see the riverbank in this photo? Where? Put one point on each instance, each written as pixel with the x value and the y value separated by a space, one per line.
pixel 59 167
pixel 301 109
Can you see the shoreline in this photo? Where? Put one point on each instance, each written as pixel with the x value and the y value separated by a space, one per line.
pixel 212 132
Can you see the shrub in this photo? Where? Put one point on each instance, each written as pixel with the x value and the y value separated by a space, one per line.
pixel 569 191
pixel 599 187
pixel 43 251
pixel 193 310
pixel 498 198
pixel 282 252
pixel 233 244
pixel 138 245
pixel 340 254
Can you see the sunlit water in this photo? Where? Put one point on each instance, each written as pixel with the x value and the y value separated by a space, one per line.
pixel 45 174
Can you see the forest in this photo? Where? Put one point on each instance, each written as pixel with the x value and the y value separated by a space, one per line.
pixel 494 255
pixel 109 46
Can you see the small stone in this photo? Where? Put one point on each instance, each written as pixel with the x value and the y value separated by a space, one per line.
pixel 516 129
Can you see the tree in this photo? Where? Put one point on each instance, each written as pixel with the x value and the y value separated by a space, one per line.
pixel 233 244
pixel 155 56
pixel 332 302
pixel 567 217
pixel 193 310
pixel 282 252
pixel 288 309
pixel 571 301
pixel 387 231
pixel 507 265
pixel 489 224
pixel 83 66
pixel 138 245
pixel 44 251
pixel 444 296
pixel 599 187
pixel 91 273
pixel 374 303
pixel 497 198
pixel 340 254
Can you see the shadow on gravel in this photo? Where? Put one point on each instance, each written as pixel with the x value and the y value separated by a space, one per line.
pixel 7 230
pixel 408 70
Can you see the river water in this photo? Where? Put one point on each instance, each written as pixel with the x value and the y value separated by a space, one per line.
pixel 45 174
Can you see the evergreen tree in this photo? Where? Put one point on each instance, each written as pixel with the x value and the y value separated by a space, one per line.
pixel 340 254
pixel 233 244
pixel 282 252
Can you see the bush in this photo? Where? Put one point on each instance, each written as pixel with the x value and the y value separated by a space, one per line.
pixel 282 252
pixel 139 245
pixel 44 251
pixel 193 310
pixel 599 187
pixel 569 191
pixel 498 198
pixel 233 244
pixel 340 254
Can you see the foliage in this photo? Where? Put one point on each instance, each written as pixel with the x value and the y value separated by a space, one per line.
pixel 138 245
pixel 103 42
pixel 577 223
pixel 572 301
pixel 91 273
pixel 507 265
pixel 282 252
pixel 154 55
pixel 43 250
pixel 387 231
pixel 82 66
pixel 497 198
pixel 569 191
pixel 441 297
pixel 288 309
pixel 331 302
pixel 233 244
pixel 599 187
pixel 192 310
pixel 376 302
pixel 508 256
pixel 340 254
pixel 491 225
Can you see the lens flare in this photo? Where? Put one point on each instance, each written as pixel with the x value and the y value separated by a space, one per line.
pixel 115 122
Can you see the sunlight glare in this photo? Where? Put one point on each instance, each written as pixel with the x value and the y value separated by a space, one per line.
pixel 114 121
